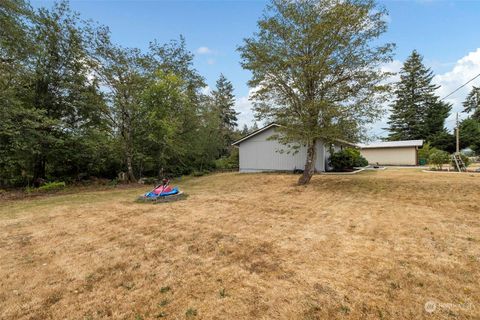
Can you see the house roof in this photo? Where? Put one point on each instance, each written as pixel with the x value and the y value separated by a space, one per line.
pixel 254 133
pixel 392 144
pixel 273 124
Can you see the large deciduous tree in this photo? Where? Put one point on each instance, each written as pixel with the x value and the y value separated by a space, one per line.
pixel 316 70
pixel 417 112
pixel 125 75
pixel 166 107
pixel 61 85
pixel 17 120
pixel 73 105
pixel 53 103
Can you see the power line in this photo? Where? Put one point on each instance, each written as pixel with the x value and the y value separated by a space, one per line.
pixel 463 85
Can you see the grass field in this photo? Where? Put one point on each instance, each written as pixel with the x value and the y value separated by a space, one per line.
pixel 397 244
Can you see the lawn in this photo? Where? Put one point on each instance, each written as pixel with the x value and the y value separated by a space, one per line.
pixel 397 244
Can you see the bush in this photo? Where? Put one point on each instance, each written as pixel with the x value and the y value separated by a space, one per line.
pixel 425 152
pixel 50 186
pixel 230 162
pixel 347 159
pixel 360 161
pixel 438 158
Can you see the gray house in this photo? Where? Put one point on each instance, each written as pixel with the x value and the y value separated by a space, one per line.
pixel 258 153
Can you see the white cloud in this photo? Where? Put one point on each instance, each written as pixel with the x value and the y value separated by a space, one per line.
pixel 464 69
pixel 243 105
pixel 205 50
pixel 393 67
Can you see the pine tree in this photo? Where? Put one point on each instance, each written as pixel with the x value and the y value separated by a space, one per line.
pixel 244 131
pixel 417 112
pixel 472 103
pixel 224 102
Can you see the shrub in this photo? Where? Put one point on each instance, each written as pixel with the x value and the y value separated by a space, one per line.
pixel 230 162
pixel 425 152
pixel 347 159
pixel 360 161
pixel 50 186
pixel 438 158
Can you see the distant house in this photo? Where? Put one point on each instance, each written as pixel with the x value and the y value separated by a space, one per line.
pixel 399 153
pixel 258 153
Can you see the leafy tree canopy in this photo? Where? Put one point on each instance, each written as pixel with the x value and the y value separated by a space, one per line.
pixel 316 69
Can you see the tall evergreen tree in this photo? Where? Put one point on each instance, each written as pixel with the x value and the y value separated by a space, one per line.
pixel 417 112
pixel 224 102
pixel 472 103
pixel 244 131
pixel 470 134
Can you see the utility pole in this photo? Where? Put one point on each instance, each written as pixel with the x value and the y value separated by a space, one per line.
pixel 458 135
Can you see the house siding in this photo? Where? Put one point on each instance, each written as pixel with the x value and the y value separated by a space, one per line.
pixel 406 156
pixel 258 154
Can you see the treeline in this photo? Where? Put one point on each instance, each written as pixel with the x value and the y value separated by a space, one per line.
pixel 419 113
pixel 73 104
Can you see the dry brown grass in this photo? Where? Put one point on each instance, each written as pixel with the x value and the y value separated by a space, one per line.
pixel 377 245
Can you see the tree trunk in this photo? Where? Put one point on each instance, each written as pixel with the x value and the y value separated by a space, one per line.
pixel 310 164
pixel 130 174
pixel 127 138
pixel 39 170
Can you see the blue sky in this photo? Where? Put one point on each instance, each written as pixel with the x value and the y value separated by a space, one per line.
pixel 444 32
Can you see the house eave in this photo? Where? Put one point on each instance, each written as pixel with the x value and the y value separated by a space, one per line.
pixel 271 125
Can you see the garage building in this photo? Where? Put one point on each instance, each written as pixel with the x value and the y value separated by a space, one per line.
pixel 397 153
